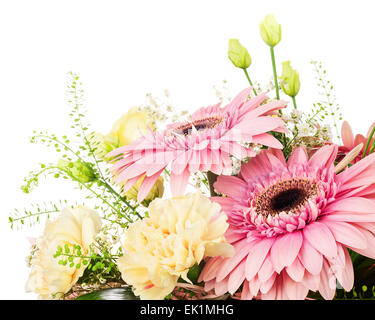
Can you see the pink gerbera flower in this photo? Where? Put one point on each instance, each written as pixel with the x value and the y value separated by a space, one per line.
pixel 350 142
pixel 205 143
pixel 291 224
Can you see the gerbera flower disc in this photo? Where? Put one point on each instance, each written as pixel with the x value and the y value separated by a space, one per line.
pixel 204 143
pixel 291 224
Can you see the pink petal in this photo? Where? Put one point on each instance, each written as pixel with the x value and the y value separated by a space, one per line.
pixel 240 98
pixel 321 238
pixel 256 167
pixel 311 259
pixel 147 185
pixel 352 205
pixel 296 270
pixel 209 271
pixel 230 186
pixel 241 251
pixel 324 157
pixel 256 256
pixel 278 154
pixel 298 156
pixel 225 203
pixel 327 286
pixel 285 250
pixel 345 276
pixel 268 140
pixel 370 249
pixel 293 290
pixel 236 278
pixel 259 125
pixel 311 281
pixel 265 287
pixel 347 234
pixel 131 182
pixel 266 270
pixel 245 294
pixel 179 182
pixel 221 287
pixel 347 135
pixel 254 285
pixel 179 164
pixel 357 175
pixel 266 108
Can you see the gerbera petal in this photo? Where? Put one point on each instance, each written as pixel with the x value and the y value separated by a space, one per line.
pixel 327 286
pixel 236 278
pixel 268 140
pixel 266 108
pixel 241 250
pixel 266 270
pixel 347 135
pixel 347 234
pixel 221 287
pixel 324 157
pixel 345 274
pixel 298 156
pixel 321 238
pixel 258 125
pixel 296 270
pixel 285 250
pixel 311 259
pixel 294 290
pixel 179 182
pixel 357 175
pixel 256 257
pixel 230 186
pixel 147 185
pixel 353 204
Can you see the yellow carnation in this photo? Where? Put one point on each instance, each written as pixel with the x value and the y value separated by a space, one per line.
pixel 131 125
pixel 156 191
pixel 48 278
pixel 178 234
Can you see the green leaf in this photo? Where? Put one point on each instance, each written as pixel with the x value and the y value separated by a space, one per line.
pixel 193 273
pixel 110 294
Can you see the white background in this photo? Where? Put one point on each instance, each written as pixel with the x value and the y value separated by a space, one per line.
pixel 124 49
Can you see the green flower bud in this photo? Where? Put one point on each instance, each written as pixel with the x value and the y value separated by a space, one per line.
pixel 270 30
pixel 82 171
pixel 238 54
pixel 102 145
pixel 289 80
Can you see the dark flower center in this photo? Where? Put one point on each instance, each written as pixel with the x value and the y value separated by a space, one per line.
pixel 200 125
pixel 288 199
pixel 285 195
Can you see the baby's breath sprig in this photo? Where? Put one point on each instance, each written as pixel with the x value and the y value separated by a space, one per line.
pixel 328 106
pixel 33 215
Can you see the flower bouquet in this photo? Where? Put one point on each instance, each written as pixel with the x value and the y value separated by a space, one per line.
pixel 246 199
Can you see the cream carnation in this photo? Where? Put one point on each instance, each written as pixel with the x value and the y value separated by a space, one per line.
pixel 48 278
pixel 178 234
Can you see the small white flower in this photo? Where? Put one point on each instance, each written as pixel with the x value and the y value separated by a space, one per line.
pixel 305 130
pixel 296 115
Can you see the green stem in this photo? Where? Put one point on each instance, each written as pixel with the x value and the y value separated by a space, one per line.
pixel 248 79
pixel 368 142
pixel 93 192
pixel 34 214
pixel 275 73
pixel 294 102
pixel 372 148
pixel 123 199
